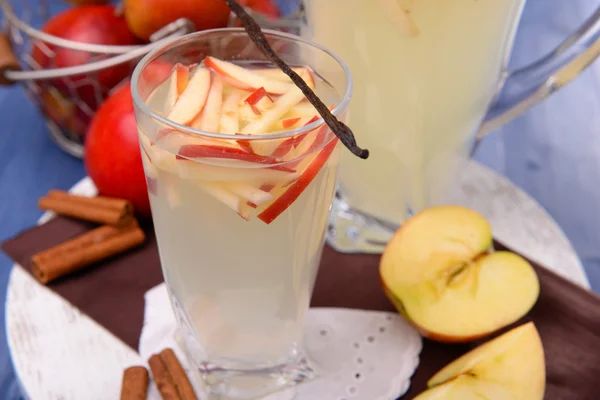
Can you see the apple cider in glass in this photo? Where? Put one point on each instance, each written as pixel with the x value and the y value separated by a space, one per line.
pixel 241 172
pixel 425 74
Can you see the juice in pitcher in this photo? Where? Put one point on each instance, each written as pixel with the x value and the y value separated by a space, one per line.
pixel 425 74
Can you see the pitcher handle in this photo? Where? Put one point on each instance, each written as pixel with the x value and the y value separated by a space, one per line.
pixel 527 86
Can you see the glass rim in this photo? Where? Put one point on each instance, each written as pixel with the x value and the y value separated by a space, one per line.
pixel 141 65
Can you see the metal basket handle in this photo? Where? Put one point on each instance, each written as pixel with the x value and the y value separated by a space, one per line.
pixel 10 69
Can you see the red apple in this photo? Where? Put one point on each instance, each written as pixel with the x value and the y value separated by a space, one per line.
pixel 112 152
pixel 96 24
pixel 80 2
pixel 264 7
pixel 145 17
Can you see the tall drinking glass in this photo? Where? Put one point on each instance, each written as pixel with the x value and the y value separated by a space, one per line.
pixel 426 73
pixel 240 234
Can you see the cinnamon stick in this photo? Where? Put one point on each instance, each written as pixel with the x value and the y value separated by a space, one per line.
pixel 162 378
pixel 170 377
pixel 180 379
pixel 99 209
pixel 135 383
pixel 85 250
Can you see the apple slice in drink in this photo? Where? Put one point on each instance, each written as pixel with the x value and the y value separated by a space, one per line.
pixel 278 74
pixel 303 109
pixel 191 102
pixel 150 171
pixel 269 118
pixel 225 196
pixel 282 151
pixel 241 172
pixel 251 194
pixel 149 168
pixel 158 157
pixel 218 151
pixel 172 191
pixel 275 73
pixel 244 78
pixel 400 18
pixel 247 113
pixel 259 101
pixel 291 123
pixel 230 119
pixel 177 82
pixel 295 190
pixel 210 117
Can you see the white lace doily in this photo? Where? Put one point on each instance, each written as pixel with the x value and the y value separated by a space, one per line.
pixel 359 355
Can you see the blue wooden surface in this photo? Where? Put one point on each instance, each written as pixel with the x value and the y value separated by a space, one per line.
pixel 552 153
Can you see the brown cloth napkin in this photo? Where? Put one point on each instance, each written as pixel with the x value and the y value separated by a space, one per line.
pixel 112 293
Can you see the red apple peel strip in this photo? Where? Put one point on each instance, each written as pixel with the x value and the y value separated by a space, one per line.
pixel 296 189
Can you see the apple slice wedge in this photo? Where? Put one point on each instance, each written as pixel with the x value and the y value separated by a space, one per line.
pixel 297 188
pixel 191 102
pixel 225 196
pixel 210 117
pixel 177 82
pixel 251 194
pixel 244 78
pixel 230 119
pixel 511 366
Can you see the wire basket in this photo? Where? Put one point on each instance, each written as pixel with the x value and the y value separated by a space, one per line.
pixel 68 97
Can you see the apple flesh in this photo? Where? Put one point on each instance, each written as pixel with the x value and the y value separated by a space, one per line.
pixel 259 101
pixel 269 118
pixel 510 366
pixel 192 100
pixel 210 117
pixel 440 273
pixel 230 114
pixel 244 78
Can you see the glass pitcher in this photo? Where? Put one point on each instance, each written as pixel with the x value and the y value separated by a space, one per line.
pixel 431 79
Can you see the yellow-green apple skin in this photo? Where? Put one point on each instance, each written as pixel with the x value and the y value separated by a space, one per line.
pixel 509 367
pixel 441 273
